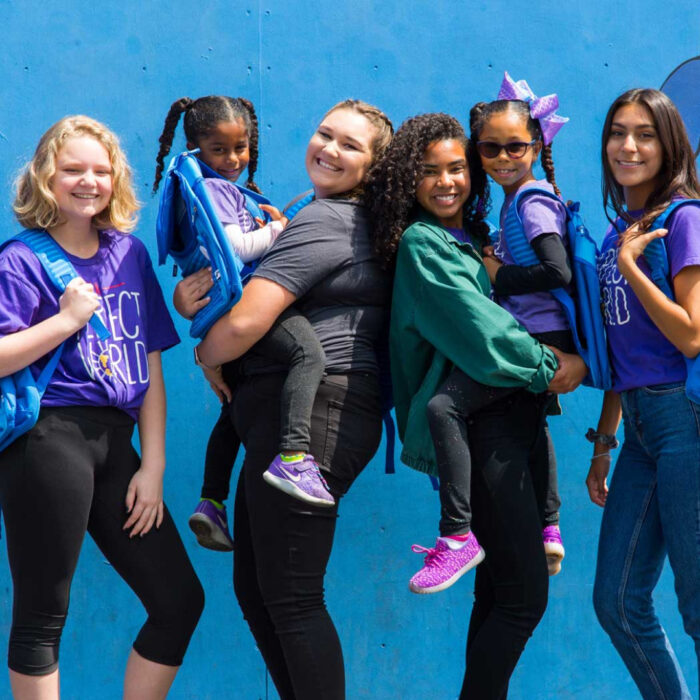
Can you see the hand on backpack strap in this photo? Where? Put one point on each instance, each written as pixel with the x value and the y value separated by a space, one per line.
pixel 78 302
pixel 633 243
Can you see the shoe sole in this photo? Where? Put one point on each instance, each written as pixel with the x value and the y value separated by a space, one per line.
pixel 291 490
pixel 555 553
pixel 453 579
pixel 208 534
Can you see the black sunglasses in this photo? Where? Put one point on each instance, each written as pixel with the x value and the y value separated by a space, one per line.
pixel 514 149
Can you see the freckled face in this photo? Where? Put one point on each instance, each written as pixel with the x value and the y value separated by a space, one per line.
pixel 445 185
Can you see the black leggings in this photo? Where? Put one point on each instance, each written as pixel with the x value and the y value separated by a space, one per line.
pixel 282 544
pixel 66 476
pixel 292 343
pixel 458 398
pixel 511 587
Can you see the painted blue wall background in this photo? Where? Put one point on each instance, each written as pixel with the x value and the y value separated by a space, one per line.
pixel 124 63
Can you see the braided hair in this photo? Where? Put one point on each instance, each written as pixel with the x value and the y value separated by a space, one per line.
pixel 390 193
pixel 481 112
pixel 201 116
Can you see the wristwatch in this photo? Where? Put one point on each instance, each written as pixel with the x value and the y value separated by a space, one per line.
pixel 603 438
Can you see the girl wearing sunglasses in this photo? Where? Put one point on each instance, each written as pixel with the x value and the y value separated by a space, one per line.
pixel 511 133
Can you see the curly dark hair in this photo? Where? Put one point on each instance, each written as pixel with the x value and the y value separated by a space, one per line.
pixel 201 116
pixel 482 111
pixel 390 193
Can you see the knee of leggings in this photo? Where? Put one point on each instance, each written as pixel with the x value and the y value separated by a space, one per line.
pixel 167 632
pixel 438 407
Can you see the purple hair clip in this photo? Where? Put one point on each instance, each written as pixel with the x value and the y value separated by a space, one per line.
pixel 541 108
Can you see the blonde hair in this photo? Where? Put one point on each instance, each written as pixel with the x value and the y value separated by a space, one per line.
pixel 35 205
pixel 377 118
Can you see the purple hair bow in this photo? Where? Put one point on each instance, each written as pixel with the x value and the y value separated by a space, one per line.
pixel 541 108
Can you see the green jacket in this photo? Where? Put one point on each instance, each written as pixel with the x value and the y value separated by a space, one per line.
pixel 441 315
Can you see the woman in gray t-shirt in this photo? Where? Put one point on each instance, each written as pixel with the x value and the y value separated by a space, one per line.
pixel 324 263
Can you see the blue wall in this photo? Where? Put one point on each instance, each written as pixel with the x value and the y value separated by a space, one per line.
pixel 124 63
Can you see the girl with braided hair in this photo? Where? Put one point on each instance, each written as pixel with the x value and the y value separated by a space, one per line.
pixel 510 133
pixel 449 339
pixel 225 129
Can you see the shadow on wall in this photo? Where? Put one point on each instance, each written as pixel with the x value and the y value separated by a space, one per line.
pixel 683 87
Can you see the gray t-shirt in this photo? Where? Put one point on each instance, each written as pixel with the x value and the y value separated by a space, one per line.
pixel 326 258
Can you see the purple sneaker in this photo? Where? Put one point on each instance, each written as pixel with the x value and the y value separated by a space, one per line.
pixel 301 480
pixel 553 548
pixel 444 565
pixel 210 525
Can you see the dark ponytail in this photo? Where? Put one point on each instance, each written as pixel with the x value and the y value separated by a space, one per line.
pixel 166 138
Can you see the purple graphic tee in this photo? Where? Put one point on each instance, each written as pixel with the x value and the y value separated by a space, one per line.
pixel 640 354
pixel 113 372
pixel 539 312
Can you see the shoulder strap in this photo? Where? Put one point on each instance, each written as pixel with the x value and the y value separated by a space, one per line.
pixel 656 253
pixel 298 203
pixel 57 266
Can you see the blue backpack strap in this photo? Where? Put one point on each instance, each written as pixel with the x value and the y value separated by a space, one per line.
pixel 298 203
pixel 57 267
pixel 656 255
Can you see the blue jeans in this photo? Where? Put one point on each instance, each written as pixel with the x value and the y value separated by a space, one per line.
pixel 653 509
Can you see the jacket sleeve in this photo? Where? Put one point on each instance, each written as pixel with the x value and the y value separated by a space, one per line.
pixel 455 316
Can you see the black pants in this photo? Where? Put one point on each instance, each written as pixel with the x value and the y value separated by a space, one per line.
pixel 282 544
pixel 448 411
pixel 66 476
pixel 291 342
pixel 511 584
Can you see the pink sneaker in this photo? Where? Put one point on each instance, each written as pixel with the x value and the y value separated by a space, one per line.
pixel 444 565
pixel 553 548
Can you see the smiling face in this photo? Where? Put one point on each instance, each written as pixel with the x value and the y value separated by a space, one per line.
pixel 508 172
pixel 445 185
pixel 82 183
pixel 634 153
pixel 225 148
pixel 340 152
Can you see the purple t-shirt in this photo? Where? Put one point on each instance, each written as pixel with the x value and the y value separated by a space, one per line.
pixel 91 372
pixel 229 204
pixel 640 354
pixel 539 312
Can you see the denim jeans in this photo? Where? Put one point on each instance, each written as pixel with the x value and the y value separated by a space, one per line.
pixel 653 509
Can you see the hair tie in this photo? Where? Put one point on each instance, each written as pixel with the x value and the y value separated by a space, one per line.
pixel 543 109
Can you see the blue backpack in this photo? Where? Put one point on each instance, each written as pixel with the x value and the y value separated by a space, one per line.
pixel 193 236
pixel 656 256
pixel 583 307
pixel 20 393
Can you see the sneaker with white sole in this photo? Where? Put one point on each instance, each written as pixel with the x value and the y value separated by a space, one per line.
pixel 444 565
pixel 301 479
pixel 553 548
pixel 210 524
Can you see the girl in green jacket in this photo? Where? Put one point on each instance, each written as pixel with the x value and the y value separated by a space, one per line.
pixel 427 197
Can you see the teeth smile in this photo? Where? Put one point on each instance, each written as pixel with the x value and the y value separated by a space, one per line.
pixel 85 196
pixel 327 166
pixel 445 198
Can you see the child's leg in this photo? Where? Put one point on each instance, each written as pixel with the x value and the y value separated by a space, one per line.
pixel 222 449
pixel 458 398
pixel 292 341
pixel 552 501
